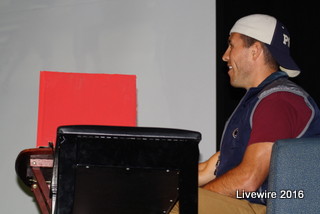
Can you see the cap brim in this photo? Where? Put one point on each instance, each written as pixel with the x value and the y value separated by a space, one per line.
pixel 285 62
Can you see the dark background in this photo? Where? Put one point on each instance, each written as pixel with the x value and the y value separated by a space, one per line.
pixel 302 19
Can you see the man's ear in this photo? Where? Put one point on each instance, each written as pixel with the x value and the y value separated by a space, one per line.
pixel 256 50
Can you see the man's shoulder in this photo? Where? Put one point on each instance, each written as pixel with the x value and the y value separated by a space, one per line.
pixel 282 86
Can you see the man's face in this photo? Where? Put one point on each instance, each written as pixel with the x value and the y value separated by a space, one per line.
pixel 238 59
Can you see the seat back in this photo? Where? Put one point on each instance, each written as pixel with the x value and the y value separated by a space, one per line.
pixel 295 176
pixel 125 170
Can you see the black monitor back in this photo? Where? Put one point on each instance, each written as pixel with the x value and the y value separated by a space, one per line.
pixel 125 170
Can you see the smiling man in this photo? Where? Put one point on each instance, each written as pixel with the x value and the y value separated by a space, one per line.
pixel 273 108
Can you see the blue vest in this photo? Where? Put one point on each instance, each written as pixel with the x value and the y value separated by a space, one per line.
pixel 237 130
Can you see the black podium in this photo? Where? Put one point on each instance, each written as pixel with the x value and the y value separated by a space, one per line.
pixel 125 170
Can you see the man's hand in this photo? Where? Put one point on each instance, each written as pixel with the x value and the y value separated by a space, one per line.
pixel 207 168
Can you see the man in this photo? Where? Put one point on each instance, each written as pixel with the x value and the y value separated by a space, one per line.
pixel 258 58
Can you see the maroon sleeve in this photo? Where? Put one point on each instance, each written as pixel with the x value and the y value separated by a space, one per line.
pixel 280 115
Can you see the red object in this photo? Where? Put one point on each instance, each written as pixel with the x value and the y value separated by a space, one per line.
pixel 84 99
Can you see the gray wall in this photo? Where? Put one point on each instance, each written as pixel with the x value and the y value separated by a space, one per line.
pixel 168 44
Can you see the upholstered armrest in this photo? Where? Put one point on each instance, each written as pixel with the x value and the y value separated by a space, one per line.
pixel 295 176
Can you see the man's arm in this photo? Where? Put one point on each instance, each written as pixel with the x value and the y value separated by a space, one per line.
pixel 248 175
pixel 207 168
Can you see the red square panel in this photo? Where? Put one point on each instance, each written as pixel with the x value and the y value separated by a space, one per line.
pixel 84 99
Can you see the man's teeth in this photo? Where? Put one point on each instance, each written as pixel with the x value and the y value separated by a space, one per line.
pixel 230 67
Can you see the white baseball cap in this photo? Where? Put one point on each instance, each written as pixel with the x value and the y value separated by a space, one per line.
pixel 274 34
